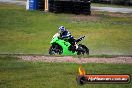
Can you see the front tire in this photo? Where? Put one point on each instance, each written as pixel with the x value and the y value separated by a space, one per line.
pixel 55 50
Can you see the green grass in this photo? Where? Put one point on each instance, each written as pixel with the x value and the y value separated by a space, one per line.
pixel 15 73
pixel 29 32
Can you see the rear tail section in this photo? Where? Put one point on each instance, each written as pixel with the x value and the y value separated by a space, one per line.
pixel 79 39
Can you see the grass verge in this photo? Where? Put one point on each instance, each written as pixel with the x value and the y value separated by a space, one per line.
pixel 15 73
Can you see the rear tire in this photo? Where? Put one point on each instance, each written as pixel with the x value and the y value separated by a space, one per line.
pixel 55 50
pixel 82 49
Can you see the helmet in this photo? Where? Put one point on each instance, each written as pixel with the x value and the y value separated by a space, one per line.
pixel 62 29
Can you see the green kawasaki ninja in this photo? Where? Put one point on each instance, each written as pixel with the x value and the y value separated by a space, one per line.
pixel 61 47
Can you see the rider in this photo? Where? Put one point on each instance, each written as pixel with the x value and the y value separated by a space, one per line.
pixel 66 35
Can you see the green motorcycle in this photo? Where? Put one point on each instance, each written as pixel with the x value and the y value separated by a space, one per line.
pixel 61 47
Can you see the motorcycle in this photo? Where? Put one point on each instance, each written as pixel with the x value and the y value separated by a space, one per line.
pixel 61 47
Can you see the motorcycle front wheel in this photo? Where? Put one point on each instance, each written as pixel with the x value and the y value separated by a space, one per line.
pixel 55 50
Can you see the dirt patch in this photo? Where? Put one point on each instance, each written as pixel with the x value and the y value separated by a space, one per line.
pixel 122 60
pixel 119 15
pixel 79 18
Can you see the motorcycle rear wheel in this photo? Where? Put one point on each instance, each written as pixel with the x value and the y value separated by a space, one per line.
pixel 82 49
